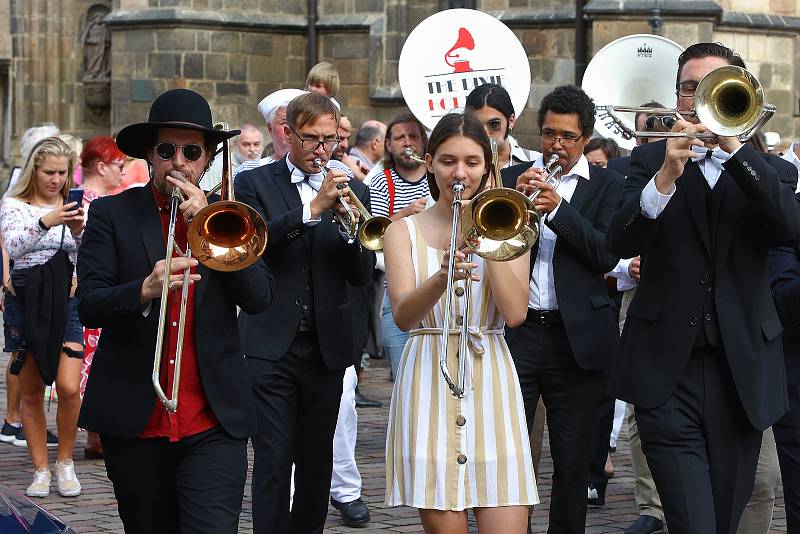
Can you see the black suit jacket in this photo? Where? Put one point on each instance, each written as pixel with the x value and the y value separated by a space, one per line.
pixel 757 210
pixel 122 242
pixel 784 277
pixel 621 165
pixel 292 249
pixel 579 262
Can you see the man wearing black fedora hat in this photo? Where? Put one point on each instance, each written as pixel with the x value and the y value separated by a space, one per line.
pixel 185 471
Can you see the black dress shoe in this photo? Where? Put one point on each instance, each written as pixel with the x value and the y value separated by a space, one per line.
pixel 595 496
pixel 363 402
pixel 354 513
pixel 646 524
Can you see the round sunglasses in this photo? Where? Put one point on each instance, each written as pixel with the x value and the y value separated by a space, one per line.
pixel 167 151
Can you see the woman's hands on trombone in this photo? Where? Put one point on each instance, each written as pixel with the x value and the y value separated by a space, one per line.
pixel 461 266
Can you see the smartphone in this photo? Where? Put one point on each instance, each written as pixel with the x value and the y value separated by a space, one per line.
pixel 75 195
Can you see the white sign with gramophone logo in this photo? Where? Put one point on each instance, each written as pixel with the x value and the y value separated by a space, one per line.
pixel 454 51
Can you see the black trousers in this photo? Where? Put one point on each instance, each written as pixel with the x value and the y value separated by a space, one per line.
pixel 191 486
pixel 601 436
pixel 701 449
pixel 547 368
pixel 787 439
pixel 297 402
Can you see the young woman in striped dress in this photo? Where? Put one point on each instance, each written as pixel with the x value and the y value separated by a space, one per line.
pixel 445 455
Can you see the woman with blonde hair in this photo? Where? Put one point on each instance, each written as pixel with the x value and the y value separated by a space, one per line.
pixel 42 234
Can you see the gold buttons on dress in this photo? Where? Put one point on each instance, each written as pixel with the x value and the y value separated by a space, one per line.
pixel 461 459
pixel 461 420
pixel 459 291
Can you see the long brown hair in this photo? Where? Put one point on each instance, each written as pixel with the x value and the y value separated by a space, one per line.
pixel 469 126
pixel 26 188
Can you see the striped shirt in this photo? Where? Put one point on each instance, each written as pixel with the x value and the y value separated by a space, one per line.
pixel 405 193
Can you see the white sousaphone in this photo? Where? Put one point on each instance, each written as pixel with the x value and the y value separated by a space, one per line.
pixel 633 70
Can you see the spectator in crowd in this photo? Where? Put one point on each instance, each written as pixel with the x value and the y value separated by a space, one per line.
pixel 273 108
pixel 26 143
pixel 247 145
pixel 368 145
pixel 344 131
pixel 39 228
pixel 599 150
pixel 323 78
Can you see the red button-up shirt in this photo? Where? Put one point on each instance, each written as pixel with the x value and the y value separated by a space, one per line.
pixel 194 414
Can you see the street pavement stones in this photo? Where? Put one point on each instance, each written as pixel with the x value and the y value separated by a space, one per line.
pixel 94 511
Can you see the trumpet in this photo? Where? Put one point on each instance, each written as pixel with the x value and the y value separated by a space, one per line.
pixel 729 100
pixel 226 236
pixel 350 223
pixel 457 389
pixel 370 233
pixel 409 153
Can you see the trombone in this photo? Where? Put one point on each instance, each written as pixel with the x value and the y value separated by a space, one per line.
pixel 729 100
pixel 457 389
pixel 226 236
pixel 373 227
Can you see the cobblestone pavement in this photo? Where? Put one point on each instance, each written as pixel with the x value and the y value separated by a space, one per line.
pixel 95 510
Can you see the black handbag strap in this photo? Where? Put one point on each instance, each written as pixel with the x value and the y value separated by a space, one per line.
pixel 63 229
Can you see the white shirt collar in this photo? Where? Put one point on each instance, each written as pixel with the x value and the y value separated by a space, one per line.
pixel 581 168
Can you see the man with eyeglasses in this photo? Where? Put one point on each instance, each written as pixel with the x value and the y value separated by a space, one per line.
pixel 569 335
pixel 298 349
pixel 700 355
pixel 185 471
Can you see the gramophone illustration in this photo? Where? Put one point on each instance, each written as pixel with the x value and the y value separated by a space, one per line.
pixel 453 58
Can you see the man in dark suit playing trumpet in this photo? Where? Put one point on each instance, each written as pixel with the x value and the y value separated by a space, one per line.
pixel 298 349
pixel 183 471
pixel 569 335
pixel 700 355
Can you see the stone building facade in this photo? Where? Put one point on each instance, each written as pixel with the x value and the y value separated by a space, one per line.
pixel 235 52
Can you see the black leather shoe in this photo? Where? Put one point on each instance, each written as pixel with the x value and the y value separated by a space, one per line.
pixel 363 402
pixel 595 496
pixel 354 513
pixel 646 524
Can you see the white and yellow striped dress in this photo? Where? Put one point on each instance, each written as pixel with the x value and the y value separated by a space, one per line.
pixel 445 453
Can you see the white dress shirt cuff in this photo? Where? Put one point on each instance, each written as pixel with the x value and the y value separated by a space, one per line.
pixel 307 220
pixel 734 152
pixel 622 273
pixel 653 201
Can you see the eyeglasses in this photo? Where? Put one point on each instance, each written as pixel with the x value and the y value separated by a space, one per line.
pixel 687 89
pixel 494 125
pixel 310 145
pixel 663 120
pixel 167 151
pixel 567 141
pixel 118 164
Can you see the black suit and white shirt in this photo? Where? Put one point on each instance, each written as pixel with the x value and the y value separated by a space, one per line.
pixel 570 334
pixel 298 349
pixel 700 355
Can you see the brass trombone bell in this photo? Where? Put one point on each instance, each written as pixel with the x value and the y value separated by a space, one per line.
pixel 729 101
pixel 227 235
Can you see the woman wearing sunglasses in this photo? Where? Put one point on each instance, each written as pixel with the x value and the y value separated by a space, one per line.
pixel 37 223
pixel 491 104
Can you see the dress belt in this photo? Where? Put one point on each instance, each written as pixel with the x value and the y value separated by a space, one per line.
pixel 475 334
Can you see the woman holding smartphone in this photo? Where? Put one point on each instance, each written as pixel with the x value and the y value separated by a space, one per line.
pixel 445 455
pixel 36 223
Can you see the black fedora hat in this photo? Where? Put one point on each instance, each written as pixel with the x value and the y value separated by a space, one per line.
pixel 176 108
